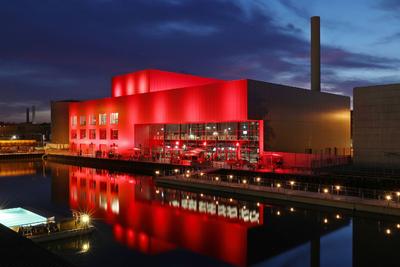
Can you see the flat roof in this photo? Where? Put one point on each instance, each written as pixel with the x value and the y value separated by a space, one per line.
pixel 20 216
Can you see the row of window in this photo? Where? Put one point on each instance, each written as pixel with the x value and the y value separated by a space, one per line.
pixel 93 119
pixel 92 134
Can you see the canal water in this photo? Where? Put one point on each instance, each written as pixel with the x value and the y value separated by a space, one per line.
pixel 140 224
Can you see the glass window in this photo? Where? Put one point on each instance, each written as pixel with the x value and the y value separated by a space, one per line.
pixel 102 119
pixel 82 120
pixel 114 118
pixel 92 119
pixel 74 120
pixel 103 134
pixel 82 134
pixel 114 134
pixel 73 134
pixel 92 134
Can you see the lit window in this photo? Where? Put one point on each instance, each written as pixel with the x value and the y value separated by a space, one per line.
pixel 92 134
pixel 114 118
pixel 82 120
pixel 114 134
pixel 74 120
pixel 82 134
pixel 103 134
pixel 73 134
pixel 92 119
pixel 103 119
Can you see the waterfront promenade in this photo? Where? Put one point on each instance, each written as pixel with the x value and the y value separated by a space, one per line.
pixel 357 199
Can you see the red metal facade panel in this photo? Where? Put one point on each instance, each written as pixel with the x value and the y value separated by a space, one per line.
pixel 152 81
pixel 217 102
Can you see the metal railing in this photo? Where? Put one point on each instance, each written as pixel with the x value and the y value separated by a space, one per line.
pixel 292 187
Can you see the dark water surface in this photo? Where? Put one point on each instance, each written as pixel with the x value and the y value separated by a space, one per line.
pixel 139 224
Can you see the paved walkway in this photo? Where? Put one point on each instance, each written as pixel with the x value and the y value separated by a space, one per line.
pixel 324 199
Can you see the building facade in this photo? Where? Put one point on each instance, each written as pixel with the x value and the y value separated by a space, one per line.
pixel 169 115
pixel 376 125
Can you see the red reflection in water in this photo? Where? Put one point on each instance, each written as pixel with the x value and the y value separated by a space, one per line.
pixel 145 221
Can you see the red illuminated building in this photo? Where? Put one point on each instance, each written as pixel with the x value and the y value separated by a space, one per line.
pixel 163 115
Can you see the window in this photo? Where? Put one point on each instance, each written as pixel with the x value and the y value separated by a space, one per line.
pixel 92 119
pixel 82 134
pixel 114 118
pixel 74 120
pixel 73 134
pixel 82 120
pixel 92 134
pixel 114 134
pixel 103 119
pixel 103 134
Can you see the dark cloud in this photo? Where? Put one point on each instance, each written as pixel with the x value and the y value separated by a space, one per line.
pixel 55 49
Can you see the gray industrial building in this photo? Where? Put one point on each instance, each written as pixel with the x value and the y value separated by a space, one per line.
pixel 376 126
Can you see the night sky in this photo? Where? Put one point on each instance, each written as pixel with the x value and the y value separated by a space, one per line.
pixel 54 50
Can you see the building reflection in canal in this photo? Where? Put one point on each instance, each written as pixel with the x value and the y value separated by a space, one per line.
pixel 154 220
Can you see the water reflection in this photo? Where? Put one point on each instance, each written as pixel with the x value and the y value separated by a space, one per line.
pixel 157 221
pixel 153 220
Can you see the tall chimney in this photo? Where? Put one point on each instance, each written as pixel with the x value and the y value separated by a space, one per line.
pixel 315 54
pixel 33 114
pixel 27 115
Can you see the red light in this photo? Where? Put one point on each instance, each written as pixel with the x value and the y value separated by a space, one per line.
pixel 177 143
pixel 237 144
pixel 205 144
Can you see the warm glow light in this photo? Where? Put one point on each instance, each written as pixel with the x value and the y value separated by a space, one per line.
pixel 201 174
pixel 258 179
pixel 291 182
pixel 291 209
pixel 85 247
pixel 230 200
pixel 258 204
pixel 398 226
pixel 278 185
pixel 187 175
pixel 176 170
pixel 230 176
pixel 337 187
pixel 244 181
pixel 388 231
pixel 85 218
pixel 338 216
pixel 216 178
pixel 201 195
pixel 326 191
pixel 187 171
pixel 157 172
pixel 278 213
pixel 398 194
pixel 157 191
pixel 388 197
pixel 325 220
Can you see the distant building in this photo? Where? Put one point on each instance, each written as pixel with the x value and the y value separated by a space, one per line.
pixel 376 125
pixel 25 131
